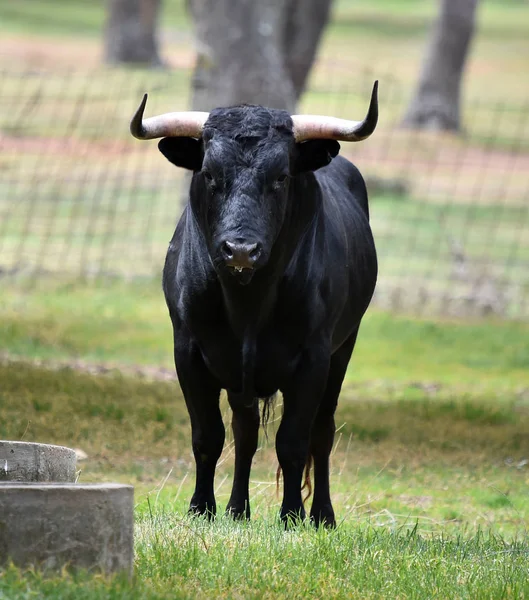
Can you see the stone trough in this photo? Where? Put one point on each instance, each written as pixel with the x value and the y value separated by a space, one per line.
pixel 51 525
pixel 49 521
pixel 24 461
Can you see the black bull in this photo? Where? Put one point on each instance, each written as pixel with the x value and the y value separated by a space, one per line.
pixel 267 277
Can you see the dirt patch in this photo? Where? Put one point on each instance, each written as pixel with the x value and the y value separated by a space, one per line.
pixel 423 502
pixel 148 373
pixel 79 54
pixel 49 53
pixel 60 146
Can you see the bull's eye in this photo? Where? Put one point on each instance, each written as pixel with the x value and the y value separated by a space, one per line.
pixel 208 177
pixel 280 180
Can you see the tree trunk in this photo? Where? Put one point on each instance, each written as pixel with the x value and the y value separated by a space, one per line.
pixel 253 51
pixel 238 56
pixel 257 52
pixel 302 32
pixel 130 34
pixel 436 102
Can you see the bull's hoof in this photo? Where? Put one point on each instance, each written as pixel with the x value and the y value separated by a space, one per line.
pixel 238 513
pixel 292 517
pixel 203 509
pixel 323 516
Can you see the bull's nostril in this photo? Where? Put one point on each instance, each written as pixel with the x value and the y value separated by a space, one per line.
pixel 254 252
pixel 227 250
pixel 240 254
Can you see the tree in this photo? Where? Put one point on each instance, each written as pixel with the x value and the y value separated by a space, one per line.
pixel 130 33
pixel 436 102
pixel 257 52
pixel 301 37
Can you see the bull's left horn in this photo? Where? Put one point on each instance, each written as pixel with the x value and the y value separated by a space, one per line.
pixel 309 127
pixel 175 124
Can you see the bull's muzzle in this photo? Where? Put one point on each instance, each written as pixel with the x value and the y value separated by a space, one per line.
pixel 240 255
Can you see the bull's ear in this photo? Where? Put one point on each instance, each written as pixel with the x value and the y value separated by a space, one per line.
pixel 183 152
pixel 314 154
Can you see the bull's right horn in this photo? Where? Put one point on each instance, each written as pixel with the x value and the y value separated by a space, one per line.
pixel 310 127
pixel 175 124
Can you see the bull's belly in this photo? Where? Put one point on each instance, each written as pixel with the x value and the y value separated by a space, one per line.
pixel 277 359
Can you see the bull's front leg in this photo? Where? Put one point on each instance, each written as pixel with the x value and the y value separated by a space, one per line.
pixel 201 392
pixel 245 425
pixel 301 398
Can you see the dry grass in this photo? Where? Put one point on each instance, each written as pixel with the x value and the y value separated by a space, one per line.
pixel 447 461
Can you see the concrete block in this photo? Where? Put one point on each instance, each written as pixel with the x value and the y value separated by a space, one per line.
pixel 24 461
pixel 53 525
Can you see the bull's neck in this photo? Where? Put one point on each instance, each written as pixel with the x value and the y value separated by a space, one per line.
pixel 249 307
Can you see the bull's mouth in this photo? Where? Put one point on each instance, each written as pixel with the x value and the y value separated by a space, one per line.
pixel 242 274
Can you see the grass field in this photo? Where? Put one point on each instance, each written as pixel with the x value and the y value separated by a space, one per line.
pixel 127 324
pixel 429 470
pixel 180 559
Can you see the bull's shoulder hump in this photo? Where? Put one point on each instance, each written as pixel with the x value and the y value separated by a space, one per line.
pixel 341 175
pixel 340 169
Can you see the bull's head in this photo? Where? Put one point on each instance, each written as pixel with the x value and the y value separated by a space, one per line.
pixel 243 159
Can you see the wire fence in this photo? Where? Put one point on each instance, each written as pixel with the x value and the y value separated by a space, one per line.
pixel 79 198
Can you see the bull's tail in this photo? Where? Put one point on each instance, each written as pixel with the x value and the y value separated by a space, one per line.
pixel 307 481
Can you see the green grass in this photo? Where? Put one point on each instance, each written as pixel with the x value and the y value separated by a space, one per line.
pixel 75 18
pixel 178 559
pixel 430 494
pixel 429 469
pixel 128 324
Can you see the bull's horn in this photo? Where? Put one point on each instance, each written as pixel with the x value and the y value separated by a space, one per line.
pixel 175 124
pixel 308 127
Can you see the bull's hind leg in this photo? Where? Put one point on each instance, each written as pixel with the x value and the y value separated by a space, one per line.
pixel 245 424
pixel 301 398
pixel 322 435
pixel 201 393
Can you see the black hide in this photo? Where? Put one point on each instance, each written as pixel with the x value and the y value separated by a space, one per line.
pixel 287 324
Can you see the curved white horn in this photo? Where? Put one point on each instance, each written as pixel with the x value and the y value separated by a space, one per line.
pixel 309 127
pixel 175 124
